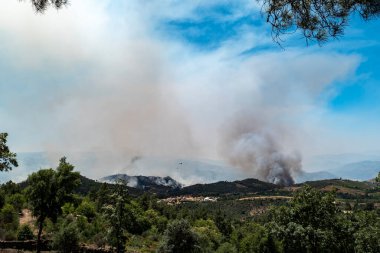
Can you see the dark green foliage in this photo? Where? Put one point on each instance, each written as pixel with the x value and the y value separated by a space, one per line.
pixel 7 158
pixel 312 223
pixel 108 215
pixel 87 209
pixel 319 19
pixel 116 215
pixel 25 233
pixel 226 248
pixel 251 238
pixel 9 221
pixel 48 190
pixel 137 221
pixel 179 237
pixel 66 240
pixel 17 201
pixel 41 194
pixel 367 231
pixel 209 236
pixel 10 188
pixel 2 198
pixel 220 188
pixel 223 223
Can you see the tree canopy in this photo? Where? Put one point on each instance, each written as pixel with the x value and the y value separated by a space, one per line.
pixel 7 158
pixel 49 189
pixel 318 20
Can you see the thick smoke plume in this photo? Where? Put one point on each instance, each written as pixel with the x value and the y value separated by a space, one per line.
pixel 110 81
pixel 257 148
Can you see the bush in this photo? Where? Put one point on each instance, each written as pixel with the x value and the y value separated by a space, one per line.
pixel 208 233
pixel 9 222
pixel 179 237
pixel 87 209
pixel 17 200
pixel 25 233
pixel 67 239
pixel 226 248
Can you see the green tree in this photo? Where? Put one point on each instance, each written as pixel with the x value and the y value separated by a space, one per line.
pixel 367 240
pixel 312 223
pixel 7 158
pixel 87 209
pixel 367 232
pixel 223 223
pixel 67 239
pixel 254 238
pixel 17 200
pixel 179 237
pixel 9 222
pixel 10 188
pixel 115 213
pixel 209 235
pixel 48 190
pixel 378 178
pixel 226 248
pixel 25 233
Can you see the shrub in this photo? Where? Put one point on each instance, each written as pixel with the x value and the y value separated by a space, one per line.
pixel 67 239
pixel 9 221
pixel 25 233
pixel 179 237
pixel 87 209
pixel 226 248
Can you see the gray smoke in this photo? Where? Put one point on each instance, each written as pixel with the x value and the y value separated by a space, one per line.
pixel 258 149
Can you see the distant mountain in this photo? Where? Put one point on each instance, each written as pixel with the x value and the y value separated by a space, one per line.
pixel 143 182
pixel 313 176
pixel 364 170
pixel 226 188
pixel 334 161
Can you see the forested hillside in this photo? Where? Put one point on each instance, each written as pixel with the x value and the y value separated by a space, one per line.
pixel 65 211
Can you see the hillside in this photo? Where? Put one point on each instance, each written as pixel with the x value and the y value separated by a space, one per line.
pixel 346 188
pixel 227 188
pixel 143 182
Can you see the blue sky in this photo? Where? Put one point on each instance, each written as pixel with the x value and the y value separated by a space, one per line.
pixel 168 78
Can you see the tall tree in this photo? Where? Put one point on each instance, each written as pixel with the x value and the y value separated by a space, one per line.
pixel 116 216
pixel 48 190
pixel 7 158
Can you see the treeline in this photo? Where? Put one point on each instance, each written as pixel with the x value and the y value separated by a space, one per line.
pixel 110 217
pixel 60 206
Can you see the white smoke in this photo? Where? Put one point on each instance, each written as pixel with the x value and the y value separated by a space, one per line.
pixel 106 81
pixel 259 148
